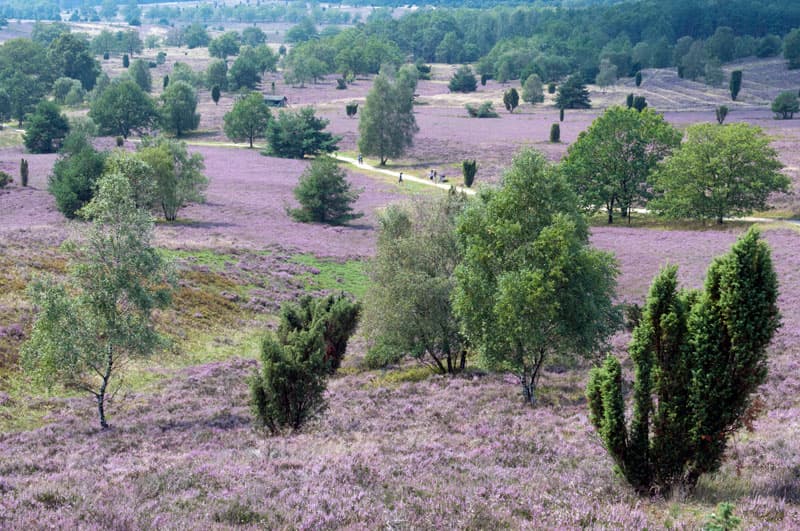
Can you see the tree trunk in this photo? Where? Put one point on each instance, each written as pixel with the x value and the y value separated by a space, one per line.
pixel 101 394
pixel 610 216
pixel 463 360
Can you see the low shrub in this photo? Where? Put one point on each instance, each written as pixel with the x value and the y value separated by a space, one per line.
pixel 470 168
pixel 555 133
pixel 485 110
pixel 5 179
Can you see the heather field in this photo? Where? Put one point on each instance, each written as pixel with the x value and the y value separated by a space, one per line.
pixel 398 448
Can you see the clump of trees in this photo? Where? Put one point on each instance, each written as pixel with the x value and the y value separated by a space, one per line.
pixel 529 287
pixel 785 105
pixel 123 108
pixel 719 171
pixel 324 194
pixel 698 358
pixel 295 134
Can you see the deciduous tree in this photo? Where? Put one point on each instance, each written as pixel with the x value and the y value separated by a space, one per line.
pixel 178 105
pixel 123 108
pixel 248 119
pixel 387 125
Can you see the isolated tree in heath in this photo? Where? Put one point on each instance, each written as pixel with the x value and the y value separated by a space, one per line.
pixel 91 326
pixel 179 176
pixel 735 84
pixel 387 125
pixel 295 134
pixel 532 91
pixel 324 194
pixel 408 309
pixel 463 80
pixel 123 108
pixel 248 119
pixel 529 287
pixel 721 113
pixel 719 171
pixel 698 356
pixel 610 163
pixel 572 94
pixel 785 105
pixel 178 106
pixel 217 75
pixel 511 99
pixel 215 94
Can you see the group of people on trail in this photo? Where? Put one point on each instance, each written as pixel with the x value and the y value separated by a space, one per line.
pixel 435 177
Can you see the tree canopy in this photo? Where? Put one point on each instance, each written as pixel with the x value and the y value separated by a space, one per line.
pixel 324 194
pixel 248 119
pixel 123 108
pixel 295 134
pixel 178 105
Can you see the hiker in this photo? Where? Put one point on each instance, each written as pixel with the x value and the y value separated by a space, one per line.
pixel 360 158
pixel 443 179
pixel 434 176
pixel 400 179
pixel 431 175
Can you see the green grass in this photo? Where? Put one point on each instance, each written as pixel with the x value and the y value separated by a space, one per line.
pixel 9 137
pixel 205 257
pixel 651 221
pixel 350 276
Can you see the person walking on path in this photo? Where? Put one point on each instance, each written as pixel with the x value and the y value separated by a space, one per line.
pixel 400 178
pixel 360 159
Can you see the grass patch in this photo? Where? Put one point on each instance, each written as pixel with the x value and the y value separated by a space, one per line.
pixel 650 221
pixel 202 257
pixel 9 137
pixel 350 276
pixel 401 376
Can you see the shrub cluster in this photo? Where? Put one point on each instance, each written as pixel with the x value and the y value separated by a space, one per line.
pixel 484 110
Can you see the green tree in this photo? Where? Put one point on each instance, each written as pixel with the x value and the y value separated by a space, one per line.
pixel 253 36
pixel 714 75
pixel 246 70
pixel 290 390
pixel 226 44
pixel 694 62
pixel 532 91
pixel 183 72
pixel 70 56
pixel 195 36
pixel 721 113
pixel 140 73
pixel 324 194
pixel 719 171
pixel 408 309
pixel 44 127
pixel 126 61
pixel 89 327
pixel 607 75
pixel 178 105
pixel 529 287
pixel 178 175
pixel 572 94
pixel 335 316
pixel 735 84
pixel 387 125
pixel 26 75
pixel 785 105
pixel 295 134
pixel 215 94
pixel 469 168
pixel 248 119
pixel 75 175
pixel 302 65
pixel 62 87
pixel 142 180
pixel 463 80
pixel 123 108
pixel 791 48
pixel 698 358
pixel 511 99
pixel 217 74
pixel 610 163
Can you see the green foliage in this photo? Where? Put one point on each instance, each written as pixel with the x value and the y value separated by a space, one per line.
pixel 26 75
pixel 561 114
pixel 253 36
pixel 248 119
pixel 140 175
pixel 140 73
pixel 183 72
pixel 713 74
pixel 89 327
pixel 551 88
pixel 532 91
pixel 785 105
pixel 335 316
pixel 217 74
pixel 44 127
pixel 75 173
pixel 196 36
pixel 126 61
pixel 484 110
pixel 723 519
pixel 719 171
pixel 511 99
pixel 5 179
pixel 387 126
pixel 62 87
pixel 610 163
pixel 226 44
pixel 215 96
pixel 23 172
pixel 178 105
pixel 638 79
pixel 70 57
pixel 408 309
pixel 607 75
pixel 698 358
pixel 529 287
pixel 629 100
pixel 469 168
pixel 165 81
pixel 324 194
pixel 463 80
pixel 721 112
pixel 123 108
pixel 555 133
pixel 735 84
pixel 791 48
pixel 295 134
pixel 351 109
pixel 572 94
pixel 639 103
pixel 178 175
pixel 290 389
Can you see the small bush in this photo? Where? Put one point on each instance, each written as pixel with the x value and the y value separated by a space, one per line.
pixel 215 94
pixel 381 355
pixel 629 100
pixel 290 389
pixel 237 513
pixel 722 519
pixel 551 88
pixel 341 83
pixel 120 141
pixel 639 103
pixel 721 112
pixel 555 133
pixel 126 61
pixel 105 56
pixel 463 80
pixel 470 168
pixel 561 114
pixel 633 315
pixel 785 105
pixel 351 109
pixel 485 110
pixel 5 179
pixel 23 172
